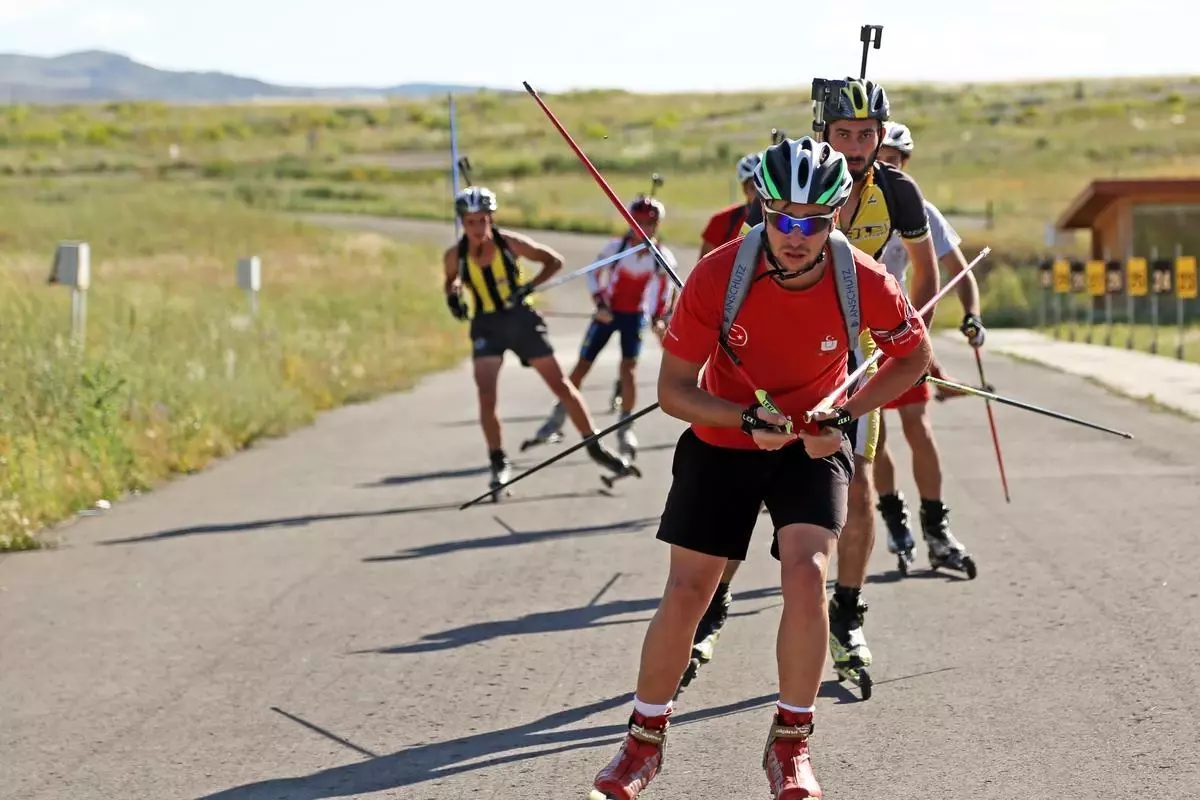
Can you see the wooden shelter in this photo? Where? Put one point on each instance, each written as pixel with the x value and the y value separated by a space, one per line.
pixel 1136 216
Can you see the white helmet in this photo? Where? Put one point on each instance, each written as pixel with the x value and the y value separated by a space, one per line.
pixel 474 198
pixel 897 136
pixel 644 204
pixel 745 167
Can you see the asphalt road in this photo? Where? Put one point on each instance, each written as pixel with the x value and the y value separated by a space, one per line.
pixel 316 619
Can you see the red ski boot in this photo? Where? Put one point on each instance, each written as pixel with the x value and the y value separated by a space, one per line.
pixel 636 763
pixel 785 757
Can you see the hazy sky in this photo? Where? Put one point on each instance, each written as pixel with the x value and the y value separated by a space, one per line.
pixel 650 45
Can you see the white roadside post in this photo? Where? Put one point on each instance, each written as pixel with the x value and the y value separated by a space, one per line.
pixel 249 278
pixel 72 267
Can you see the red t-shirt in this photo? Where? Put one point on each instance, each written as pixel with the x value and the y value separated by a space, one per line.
pixel 725 225
pixel 792 342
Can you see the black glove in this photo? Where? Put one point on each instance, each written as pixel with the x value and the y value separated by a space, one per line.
pixel 972 328
pixel 841 420
pixel 519 294
pixel 457 307
pixel 751 421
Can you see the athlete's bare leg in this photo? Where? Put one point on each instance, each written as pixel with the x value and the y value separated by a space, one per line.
pixel 566 392
pixel 847 644
pixel 628 377
pixel 690 582
pixel 926 461
pixel 582 368
pixel 858 535
pixel 487 376
pixel 885 465
pixel 804 552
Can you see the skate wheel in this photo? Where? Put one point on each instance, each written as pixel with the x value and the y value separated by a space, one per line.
pixel 607 480
pixel 969 567
pixel 528 443
pixel 596 794
pixel 634 471
pixel 865 684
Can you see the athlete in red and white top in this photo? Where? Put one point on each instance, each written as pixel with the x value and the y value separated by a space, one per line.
pixel 791 337
pixel 630 295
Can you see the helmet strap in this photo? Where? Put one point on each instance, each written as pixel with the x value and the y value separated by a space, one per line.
pixel 776 270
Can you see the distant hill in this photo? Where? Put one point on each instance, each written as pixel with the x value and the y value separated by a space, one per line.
pixel 98 75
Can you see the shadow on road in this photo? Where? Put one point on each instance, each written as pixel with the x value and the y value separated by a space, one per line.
pixel 469 423
pixel 521 463
pixel 309 519
pixel 440 760
pixel 514 537
pixel 566 619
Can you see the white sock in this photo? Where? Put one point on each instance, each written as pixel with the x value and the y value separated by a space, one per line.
pixel 649 710
pixel 795 709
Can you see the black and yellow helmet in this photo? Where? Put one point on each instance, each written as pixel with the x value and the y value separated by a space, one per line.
pixel 856 99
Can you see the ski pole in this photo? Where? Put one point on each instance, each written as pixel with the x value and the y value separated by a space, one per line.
pixel 827 403
pixel 1024 406
pixel 573 448
pixel 454 176
pixel 550 284
pixel 760 394
pixel 992 423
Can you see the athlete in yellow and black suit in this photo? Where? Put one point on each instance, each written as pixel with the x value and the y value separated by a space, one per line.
pixel 486 263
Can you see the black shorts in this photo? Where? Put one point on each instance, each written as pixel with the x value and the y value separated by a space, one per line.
pixel 519 329
pixel 716 494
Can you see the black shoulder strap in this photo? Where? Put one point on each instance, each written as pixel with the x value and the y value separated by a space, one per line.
pixel 462 257
pixel 736 220
pixel 889 198
pixel 511 271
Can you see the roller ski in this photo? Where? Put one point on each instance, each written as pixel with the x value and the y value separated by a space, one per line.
pixel 707 632
pixel 612 462
pixel 501 475
pixel 551 430
pixel 847 644
pixel 627 443
pixel 636 763
pixel 786 758
pixel 945 551
pixel 900 538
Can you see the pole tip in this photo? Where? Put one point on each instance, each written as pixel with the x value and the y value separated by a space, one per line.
pixel 528 88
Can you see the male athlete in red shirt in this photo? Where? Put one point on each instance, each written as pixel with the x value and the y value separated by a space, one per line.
pixel 806 289
pixel 726 224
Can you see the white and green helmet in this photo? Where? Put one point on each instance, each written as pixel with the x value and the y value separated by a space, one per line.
pixel 803 171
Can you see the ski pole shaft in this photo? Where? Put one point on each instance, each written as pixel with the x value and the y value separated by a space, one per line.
pixel 550 284
pixel 992 424
pixel 454 172
pixel 633 224
pixel 553 459
pixel 826 403
pixel 1025 406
